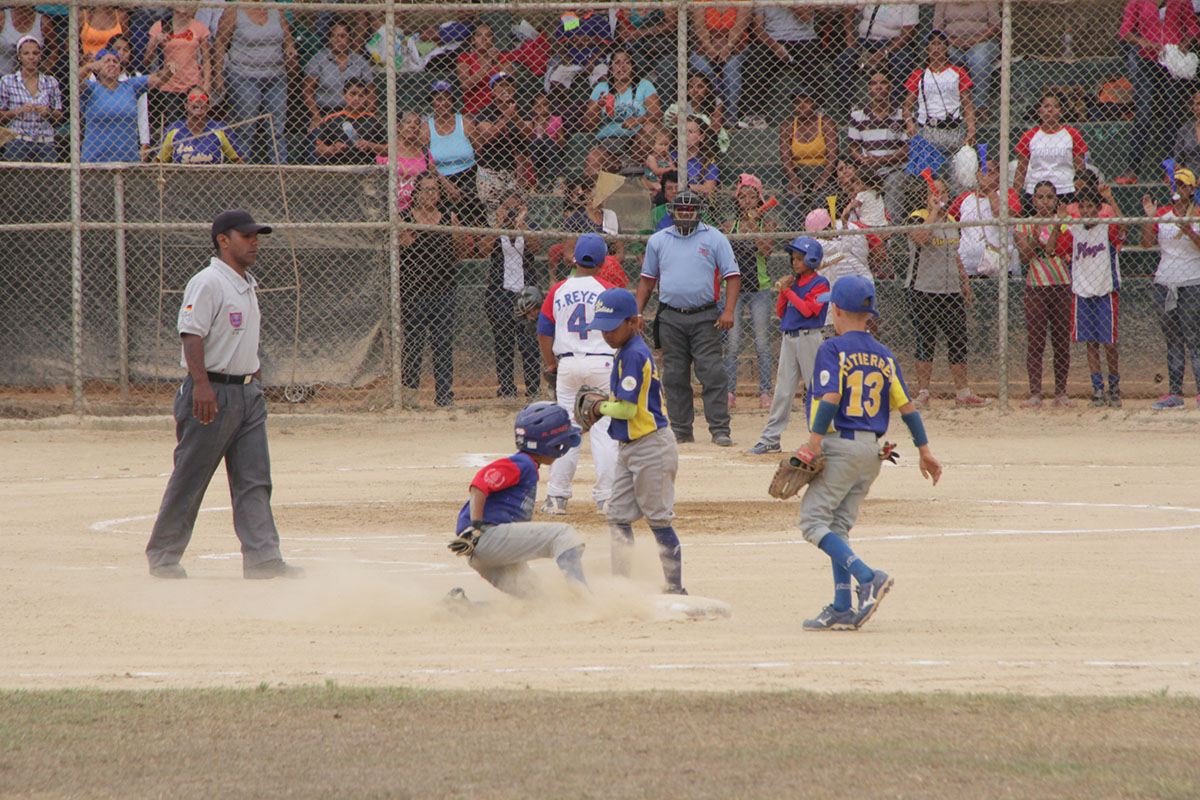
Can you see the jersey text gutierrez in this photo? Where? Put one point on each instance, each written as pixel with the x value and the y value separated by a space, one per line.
pixel 852 360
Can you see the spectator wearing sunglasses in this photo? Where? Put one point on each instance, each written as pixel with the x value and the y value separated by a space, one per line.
pixel 198 139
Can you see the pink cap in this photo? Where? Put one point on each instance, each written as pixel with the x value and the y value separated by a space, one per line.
pixel 746 179
pixel 817 220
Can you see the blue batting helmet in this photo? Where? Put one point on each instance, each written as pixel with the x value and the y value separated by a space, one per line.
pixel 590 250
pixel 808 247
pixel 545 429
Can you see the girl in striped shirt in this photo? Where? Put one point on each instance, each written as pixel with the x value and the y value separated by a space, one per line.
pixel 1046 252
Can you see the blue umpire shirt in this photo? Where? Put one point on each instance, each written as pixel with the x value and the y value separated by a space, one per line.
pixel 684 266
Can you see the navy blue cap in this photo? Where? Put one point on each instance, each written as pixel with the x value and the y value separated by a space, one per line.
pixel 441 86
pixel 852 293
pixel 590 250
pixel 613 307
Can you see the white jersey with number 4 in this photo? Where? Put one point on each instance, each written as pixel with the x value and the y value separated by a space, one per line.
pixel 568 308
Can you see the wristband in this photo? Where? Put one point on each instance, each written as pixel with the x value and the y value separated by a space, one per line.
pixel 916 427
pixel 477 524
pixel 823 417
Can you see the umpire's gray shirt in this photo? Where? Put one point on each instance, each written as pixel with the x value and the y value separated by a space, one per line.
pixel 221 307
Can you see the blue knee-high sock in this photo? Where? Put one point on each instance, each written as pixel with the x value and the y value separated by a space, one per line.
pixel 841 587
pixel 1097 382
pixel 1114 381
pixel 836 548
pixel 669 554
pixel 569 563
pixel 622 548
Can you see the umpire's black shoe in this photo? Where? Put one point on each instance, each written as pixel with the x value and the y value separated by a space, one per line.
pixel 276 568
pixel 169 571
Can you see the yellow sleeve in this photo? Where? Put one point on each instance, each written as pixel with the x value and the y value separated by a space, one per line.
pixel 164 152
pixel 897 395
pixel 231 155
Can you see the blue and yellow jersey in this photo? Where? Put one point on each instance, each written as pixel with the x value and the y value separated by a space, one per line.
pixel 635 379
pixel 214 145
pixel 864 373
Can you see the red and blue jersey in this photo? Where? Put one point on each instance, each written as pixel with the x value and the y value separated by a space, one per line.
pixel 511 488
pixel 798 307
pixel 864 373
pixel 635 379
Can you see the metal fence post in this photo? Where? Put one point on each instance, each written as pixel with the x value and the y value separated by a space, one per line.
pixel 122 298
pixel 1005 223
pixel 681 101
pixel 393 215
pixel 76 213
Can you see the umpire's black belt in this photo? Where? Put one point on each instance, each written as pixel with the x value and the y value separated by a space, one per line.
pixel 221 377
pixel 695 310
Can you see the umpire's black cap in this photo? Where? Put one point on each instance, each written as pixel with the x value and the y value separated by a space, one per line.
pixel 238 220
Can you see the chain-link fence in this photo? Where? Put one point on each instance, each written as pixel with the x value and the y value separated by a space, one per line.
pixel 392 146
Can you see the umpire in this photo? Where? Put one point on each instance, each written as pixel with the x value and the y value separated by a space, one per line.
pixel 684 260
pixel 220 412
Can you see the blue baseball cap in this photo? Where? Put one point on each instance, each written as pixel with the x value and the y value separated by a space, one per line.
pixel 590 250
pixel 613 307
pixel 499 76
pixel 852 293
pixel 441 86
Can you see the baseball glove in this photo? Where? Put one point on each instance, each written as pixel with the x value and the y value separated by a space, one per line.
pixel 587 406
pixel 795 472
pixel 464 543
pixel 528 301
pixel 888 453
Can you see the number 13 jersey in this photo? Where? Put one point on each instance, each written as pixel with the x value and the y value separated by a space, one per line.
pixel 565 315
pixel 865 374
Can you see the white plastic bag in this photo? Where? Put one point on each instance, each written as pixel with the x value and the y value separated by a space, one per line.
pixel 1182 66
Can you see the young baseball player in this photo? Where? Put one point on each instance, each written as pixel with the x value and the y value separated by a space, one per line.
pixel 494 527
pixel 648 457
pixel 576 357
pixel 1095 280
pixel 856 385
pixel 801 316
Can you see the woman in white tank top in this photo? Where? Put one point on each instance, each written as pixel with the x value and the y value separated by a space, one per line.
pixel 253 55
pixel 15 25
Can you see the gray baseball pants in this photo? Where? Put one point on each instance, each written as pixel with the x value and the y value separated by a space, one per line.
pixel 644 483
pixel 502 552
pixel 238 434
pixel 694 340
pixel 797 354
pixel 831 502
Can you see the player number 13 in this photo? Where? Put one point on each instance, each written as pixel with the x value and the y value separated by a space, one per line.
pixel 866 393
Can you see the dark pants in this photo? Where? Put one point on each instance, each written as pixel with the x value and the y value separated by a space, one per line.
pixel 1161 105
pixel 238 434
pixel 25 150
pixel 1048 315
pixel 509 335
pixel 1181 329
pixel 429 318
pixel 547 158
pixel 693 340
pixel 899 66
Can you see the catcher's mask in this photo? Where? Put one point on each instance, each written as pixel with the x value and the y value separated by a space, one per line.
pixel 685 211
pixel 545 429
pixel 527 300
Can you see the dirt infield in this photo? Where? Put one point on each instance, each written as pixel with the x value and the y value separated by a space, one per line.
pixel 1057 556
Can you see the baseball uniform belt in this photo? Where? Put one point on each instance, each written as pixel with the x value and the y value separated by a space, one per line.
pixel 864 435
pixel 569 355
pixel 695 310
pixel 801 331
pixel 221 377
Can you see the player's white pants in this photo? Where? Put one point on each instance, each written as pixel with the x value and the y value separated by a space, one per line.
pixel 574 372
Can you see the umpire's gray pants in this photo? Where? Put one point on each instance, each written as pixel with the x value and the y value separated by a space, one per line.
pixel 687 340
pixel 796 357
pixel 238 434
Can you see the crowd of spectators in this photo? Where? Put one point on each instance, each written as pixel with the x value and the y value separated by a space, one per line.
pixel 860 100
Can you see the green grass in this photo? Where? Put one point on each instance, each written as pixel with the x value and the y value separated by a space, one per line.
pixel 331 741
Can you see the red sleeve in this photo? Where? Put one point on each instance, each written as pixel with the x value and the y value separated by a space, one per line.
pixel 964 79
pixel 497 475
pixel 781 304
pixel 1116 235
pixel 956 207
pixel 807 305
pixel 1014 202
pixel 913 84
pixel 1079 146
pixel 1063 245
pixel 548 303
pixel 1023 145
pixel 1129 21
